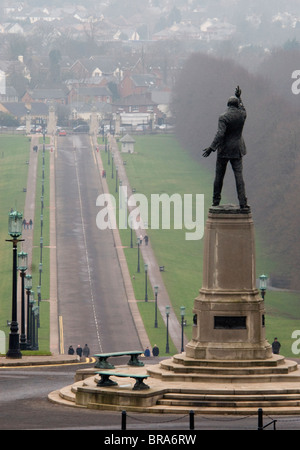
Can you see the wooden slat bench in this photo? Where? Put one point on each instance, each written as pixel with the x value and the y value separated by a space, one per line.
pixel 105 381
pixel 102 362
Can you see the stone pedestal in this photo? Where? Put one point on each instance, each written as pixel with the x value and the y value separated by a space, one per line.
pixel 52 121
pixel 229 312
pixel 94 125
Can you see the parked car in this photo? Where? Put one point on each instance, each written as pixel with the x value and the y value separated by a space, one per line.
pixel 62 133
pixel 141 127
pixel 81 129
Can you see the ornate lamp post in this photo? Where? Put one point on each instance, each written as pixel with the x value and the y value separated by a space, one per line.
pixel 15 231
pixel 22 266
pixel 35 314
pixel 30 327
pixel 28 287
pixel 155 292
pixel 116 178
pixel 38 289
pixel 263 285
pixel 112 165
pixel 146 290
pixel 121 194
pixel 182 313
pixel 167 314
pixel 40 272
pixel 138 247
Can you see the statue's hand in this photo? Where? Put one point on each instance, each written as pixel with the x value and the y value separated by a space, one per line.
pixel 238 92
pixel 207 152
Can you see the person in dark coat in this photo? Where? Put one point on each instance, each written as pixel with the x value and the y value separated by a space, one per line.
pixel 230 146
pixel 276 346
pixel 155 350
pixel 86 351
pixel 79 351
pixel 71 350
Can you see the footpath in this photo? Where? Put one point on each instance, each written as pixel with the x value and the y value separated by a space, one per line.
pixel 155 276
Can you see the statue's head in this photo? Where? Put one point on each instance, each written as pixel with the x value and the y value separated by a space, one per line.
pixel 233 101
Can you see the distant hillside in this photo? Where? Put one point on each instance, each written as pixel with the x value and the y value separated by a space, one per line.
pixel 272 135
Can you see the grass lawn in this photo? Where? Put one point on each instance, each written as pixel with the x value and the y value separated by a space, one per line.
pixel 14 152
pixel 159 165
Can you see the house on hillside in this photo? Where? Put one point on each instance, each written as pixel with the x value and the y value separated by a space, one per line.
pixel 137 84
pixel 21 110
pixel 45 96
pixel 11 28
pixel 98 94
pixel 10 95
pixel 95 67
pixel 137 110
pixel 83 111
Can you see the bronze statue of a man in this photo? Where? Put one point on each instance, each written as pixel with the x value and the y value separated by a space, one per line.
pixel 230 146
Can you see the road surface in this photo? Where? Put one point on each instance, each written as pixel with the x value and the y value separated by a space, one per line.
pixel 92 303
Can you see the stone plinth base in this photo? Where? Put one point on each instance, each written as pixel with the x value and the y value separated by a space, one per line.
pixel 236 351
pixel 229 312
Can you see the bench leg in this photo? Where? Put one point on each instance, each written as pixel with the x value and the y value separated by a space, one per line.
pixel 134 361
pixel 140 385
pixel 103 364
pixel 105 381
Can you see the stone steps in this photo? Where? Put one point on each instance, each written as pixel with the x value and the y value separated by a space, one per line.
pixel 180 368
pixel 215 363
pixel 283 368
pixel 233 401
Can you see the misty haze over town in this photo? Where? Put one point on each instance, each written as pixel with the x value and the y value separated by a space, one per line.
pixel 177 60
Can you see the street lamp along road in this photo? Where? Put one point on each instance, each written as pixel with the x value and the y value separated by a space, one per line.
pixel 155 292
pixel 167 314
pixel 182 313
pixel 146 287
pixel 15 231
pixel 22 266
pixel 28 287
pixel 138 247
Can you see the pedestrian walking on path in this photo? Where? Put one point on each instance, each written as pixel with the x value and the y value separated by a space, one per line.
pixel 86 351
pixel 79 351
pixel 155 350
pixel 276 346
pixel 71 350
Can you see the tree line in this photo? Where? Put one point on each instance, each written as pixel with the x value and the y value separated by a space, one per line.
pixel 272 136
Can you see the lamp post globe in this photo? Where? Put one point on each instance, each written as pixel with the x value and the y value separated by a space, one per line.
pixel 22 261
pixel 263 285
pixel 15 224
